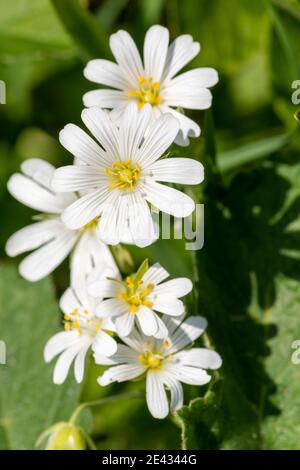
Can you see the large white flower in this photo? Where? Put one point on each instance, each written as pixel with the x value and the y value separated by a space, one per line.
pixel 139 298
pixel 165 363
pixel 84 329
pixel 122 174
pixel 153 81
pixel 49 238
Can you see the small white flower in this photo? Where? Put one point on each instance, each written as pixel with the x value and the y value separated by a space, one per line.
pixel 153 81
pixel 165 363
pixel 139 298
pixel 84 329
pixel 121 174
pixel 49 238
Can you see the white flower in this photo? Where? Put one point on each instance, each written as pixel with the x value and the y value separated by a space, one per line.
pixel 84 329
pixel 49 238
pixel 165 363
pixel 139 297
pixel 121 174
pixel 153 81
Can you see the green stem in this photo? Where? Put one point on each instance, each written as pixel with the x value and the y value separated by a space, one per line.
pixel 102 401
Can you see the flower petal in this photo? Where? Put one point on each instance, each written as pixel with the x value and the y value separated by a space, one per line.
pixel 183 97
pixel 178 287
pixel 121 374
pixel 58 343
pixel 147 320
pixel 168 200
pixel 31 237
pixel 195 79
pixel 106 73
pixel 176 391
pixel 156 395
pixel 85 209
pixel 80 361
pixel 34 195
pixel 105 344
pixel 133 126
pixel 89 252
pixel 200 357
pixel 104 130
pixel 188 375
pixel 123 355
pixel 180 53
pixel 124 324
pixel 188 127
pixel 78 178
pixel 168 305
pixel 155 274
pixel 157 140
pixel 106 98
pixel 177 170
pixel 187 332
pixel 105 288
pixel 127 55
pixel 69 301
pixel 155 51
pixel 111 308
pixel 65 360
pixel 43 261
pixel 82 146
pixel 127 219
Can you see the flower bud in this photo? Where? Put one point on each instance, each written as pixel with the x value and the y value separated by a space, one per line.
pixel 123 258
pixel 64 436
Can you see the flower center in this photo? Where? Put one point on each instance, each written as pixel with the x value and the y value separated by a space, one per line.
pixel 123 175
pixel 148 92
pixel 136 295
pixel 151 360
pixel 82 322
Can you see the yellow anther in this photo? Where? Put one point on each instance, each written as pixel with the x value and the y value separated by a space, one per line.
pixel 151 360
pixel 166 343
pixel 124 175
pixel 67 326
pixel 136 295
pixel 86 312
pixel 66 317
pixel 147 92
pixel 132 308
pixel 147 303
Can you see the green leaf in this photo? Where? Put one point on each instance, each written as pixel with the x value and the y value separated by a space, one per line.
pixel 248 289
pixel 32 45
pixel 233 159
pixel 29 401
pixel 83 27
pixel 200 428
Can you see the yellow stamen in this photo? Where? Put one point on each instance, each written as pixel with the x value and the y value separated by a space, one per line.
pixel 123 175
pixel 136 295
pixel 147 92
pixel 151 360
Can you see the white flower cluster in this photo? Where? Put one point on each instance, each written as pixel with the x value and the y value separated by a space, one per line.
pixel 136 325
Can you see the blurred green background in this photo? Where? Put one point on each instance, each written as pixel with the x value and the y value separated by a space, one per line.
pixel 246 276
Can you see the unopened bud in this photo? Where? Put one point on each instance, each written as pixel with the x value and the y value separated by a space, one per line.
pixel 64 436
pixel 123 258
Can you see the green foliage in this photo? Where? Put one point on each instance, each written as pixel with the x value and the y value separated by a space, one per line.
pixel 29 402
